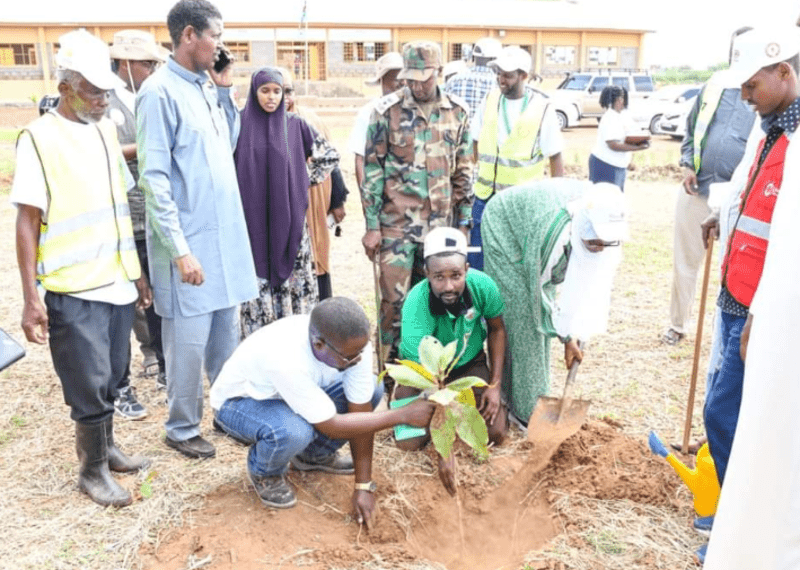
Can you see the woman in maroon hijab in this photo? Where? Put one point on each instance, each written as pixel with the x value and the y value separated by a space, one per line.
pixel 270 161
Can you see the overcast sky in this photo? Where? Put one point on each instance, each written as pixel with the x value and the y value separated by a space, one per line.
pixel 697 32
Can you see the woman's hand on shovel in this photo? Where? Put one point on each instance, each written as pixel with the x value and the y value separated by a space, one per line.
pixel 572 353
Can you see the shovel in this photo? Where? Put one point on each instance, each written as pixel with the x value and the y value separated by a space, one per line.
pixel 555 419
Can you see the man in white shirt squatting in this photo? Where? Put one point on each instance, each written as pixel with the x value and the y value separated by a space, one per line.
pixel 296 390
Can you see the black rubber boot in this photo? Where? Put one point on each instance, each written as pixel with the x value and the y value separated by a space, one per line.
pixel 94 478
pixel 118 461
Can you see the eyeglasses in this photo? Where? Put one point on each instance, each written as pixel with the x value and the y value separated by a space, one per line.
pixel 348 362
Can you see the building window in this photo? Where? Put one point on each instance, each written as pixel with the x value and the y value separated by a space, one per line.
pixel 559 55
pixel 17 54
pixel 364 51
pixel 240 50
pixel 460 51
pixel 602 57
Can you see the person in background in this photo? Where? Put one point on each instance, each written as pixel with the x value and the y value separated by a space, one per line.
pixel 611 155
pixel 75 240
pixel 416 177
pixel 474 84
pixel 513 132
pixel 275 205
pixel 325 199
pixel 535 239
pixel 134 57
pixel 717 128
pixel 389 65
pixel 197 245
pixel 452 68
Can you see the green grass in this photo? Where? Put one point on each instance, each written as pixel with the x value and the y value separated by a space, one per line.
pixel 8 135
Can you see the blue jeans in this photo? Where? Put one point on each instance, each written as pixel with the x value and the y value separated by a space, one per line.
pixel 601 171
pixel 277 434
pixel 475 260
pixel 721 411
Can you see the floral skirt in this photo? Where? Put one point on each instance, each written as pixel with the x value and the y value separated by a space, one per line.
pixel 298 295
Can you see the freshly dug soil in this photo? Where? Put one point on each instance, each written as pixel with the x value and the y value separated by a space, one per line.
pixel 504 509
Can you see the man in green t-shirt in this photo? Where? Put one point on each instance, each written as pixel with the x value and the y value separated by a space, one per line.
pixel 452 303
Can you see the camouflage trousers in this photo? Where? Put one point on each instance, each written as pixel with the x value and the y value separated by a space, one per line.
pixel 401 265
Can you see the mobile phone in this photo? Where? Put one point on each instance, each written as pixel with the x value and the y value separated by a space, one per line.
pixel 222 61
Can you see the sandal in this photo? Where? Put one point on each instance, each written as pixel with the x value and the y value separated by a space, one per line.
pixel 672 337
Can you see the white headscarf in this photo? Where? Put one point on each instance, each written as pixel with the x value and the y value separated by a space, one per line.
pixel 585 298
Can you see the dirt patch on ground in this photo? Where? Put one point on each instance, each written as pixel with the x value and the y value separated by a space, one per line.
pixel 506 499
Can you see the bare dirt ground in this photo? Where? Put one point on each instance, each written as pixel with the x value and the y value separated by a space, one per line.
pixel 601 502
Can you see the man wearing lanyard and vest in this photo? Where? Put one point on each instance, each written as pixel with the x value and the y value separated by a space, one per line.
pixel 75 239
pixel 512 132
pixel 717 128
pixel 757 520
pixel 766 62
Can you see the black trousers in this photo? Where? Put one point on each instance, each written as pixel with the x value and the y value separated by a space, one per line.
pixel 90 345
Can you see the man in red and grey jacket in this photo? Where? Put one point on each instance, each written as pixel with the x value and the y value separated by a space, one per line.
pixel 767 62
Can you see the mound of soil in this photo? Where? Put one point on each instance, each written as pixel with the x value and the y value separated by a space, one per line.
pixel 503 506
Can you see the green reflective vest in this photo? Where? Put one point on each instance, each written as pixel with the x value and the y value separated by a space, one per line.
pixel 88 236
pixel 517 160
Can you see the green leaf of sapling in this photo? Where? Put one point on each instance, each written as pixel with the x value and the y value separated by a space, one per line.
pixel 467 382
pixel 444 436
pixel 443 396
pixel 472 430
pixel 430 352
pixel 408 377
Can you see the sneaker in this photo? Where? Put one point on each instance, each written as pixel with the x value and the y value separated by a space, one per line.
pixel 672 337
pixel 128 406
pixel 703 525
pixel 274 492
pixel 700 555
pixel 333 463
pixel 161 380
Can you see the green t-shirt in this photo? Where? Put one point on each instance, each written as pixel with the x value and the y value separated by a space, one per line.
pixel 424 315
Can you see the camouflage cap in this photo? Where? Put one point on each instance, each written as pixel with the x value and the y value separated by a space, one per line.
pixel 420 59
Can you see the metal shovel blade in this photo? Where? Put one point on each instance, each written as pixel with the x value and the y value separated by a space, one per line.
pixel 555 419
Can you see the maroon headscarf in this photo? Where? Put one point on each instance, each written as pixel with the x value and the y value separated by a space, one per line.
pixel 271 167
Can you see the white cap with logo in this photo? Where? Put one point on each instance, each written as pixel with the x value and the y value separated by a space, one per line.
pixel 445 240
pixel 762 47
pixel 88 55
pixel 513 58
pixel 487 47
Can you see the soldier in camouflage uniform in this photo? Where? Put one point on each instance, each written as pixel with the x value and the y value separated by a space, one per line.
pixel 417 176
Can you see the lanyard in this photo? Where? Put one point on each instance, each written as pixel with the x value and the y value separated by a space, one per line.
pixel 506 122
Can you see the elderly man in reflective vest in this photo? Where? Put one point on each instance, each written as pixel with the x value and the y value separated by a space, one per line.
pixel 75 240
pixel 513 131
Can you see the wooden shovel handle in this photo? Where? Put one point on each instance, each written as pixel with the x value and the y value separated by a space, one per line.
pixel 687 428
pixel 573 371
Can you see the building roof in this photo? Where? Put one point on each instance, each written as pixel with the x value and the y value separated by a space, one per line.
pixel 490 14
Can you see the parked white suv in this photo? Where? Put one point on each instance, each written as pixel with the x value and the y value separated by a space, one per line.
pixel 668 101
pixel 578 96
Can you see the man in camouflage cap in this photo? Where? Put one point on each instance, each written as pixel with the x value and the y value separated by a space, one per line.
pixel 417 176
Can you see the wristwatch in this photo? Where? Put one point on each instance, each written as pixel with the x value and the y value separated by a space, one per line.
pixel 370 487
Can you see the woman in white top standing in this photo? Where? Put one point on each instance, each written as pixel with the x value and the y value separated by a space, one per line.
pixel 611 155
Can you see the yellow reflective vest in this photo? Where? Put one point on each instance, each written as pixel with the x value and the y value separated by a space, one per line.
pixel 517 160
pixel 709 101
pixel 88 236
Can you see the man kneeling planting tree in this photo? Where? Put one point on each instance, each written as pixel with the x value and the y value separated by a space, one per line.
pixel 442 335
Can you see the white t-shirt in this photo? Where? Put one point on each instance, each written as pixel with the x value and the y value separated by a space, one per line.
pixel 276 362
pixel 358 136
pixel 614 126
pixel 29 189
pixel 550 139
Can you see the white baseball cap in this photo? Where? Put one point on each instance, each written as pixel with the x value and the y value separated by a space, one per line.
pixel 453 67
pixel 762 47
pixel 88 55
pixel 386 63
pixel 607 211
pixel 445 240
pixel 487 47
pixel 513 58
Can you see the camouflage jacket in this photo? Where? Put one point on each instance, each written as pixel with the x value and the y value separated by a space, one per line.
pixel 417 171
